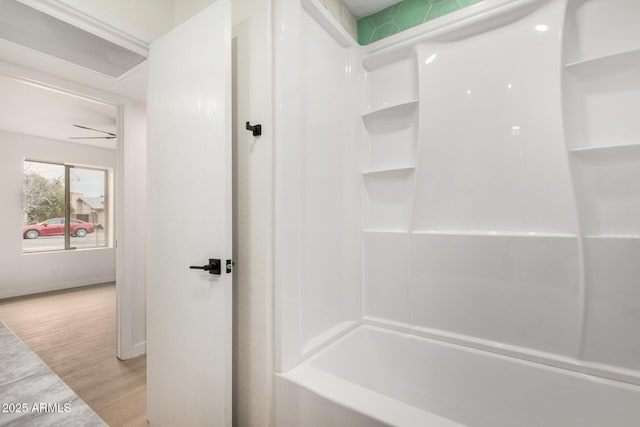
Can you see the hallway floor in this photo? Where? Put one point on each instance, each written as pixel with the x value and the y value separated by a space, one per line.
pixel 74 333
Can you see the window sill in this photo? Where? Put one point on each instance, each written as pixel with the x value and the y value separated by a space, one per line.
pixel 49 251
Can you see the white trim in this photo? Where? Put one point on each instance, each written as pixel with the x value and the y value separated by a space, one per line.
pixel 125 267
pixel 138 349
pixel 79 15
pixel 124 293
pixel 327 21
pixel 132 71
pixel 49 287
pixel 309 353
pixel 55 83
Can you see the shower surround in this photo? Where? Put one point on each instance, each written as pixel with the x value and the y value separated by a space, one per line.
pixel 458 218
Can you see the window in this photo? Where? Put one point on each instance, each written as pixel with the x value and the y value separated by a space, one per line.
pixel 55 194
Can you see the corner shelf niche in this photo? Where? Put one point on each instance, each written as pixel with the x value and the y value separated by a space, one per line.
pixel 601 79
pixel 389 111
pixel 607 154
pixel 596 28
pixel 608 193
pixel 603 64
pixel 391 134
pixel 388 171
pixel 601 93
pixel 613 237
pixel 601 98
pixel 390 126
pixel 608 184
pixel 391 84
pixel 387 198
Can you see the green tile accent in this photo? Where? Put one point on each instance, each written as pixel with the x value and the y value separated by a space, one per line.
pixel 365 31
pixel 384 16
pixel 442 8
pixel 411 13
pixel 404 15
pixel 383 31
pixel 465 3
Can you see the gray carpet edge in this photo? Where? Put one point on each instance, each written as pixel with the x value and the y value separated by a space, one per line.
pixel 49 401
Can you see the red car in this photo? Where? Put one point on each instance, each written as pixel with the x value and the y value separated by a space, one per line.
pixel 55 227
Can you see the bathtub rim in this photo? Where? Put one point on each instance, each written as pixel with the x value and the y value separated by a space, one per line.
pixel 389 410
pixel 566 364
pixel 599 370
pixel 354 397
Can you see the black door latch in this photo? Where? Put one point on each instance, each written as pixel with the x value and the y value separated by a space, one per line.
pixel 213 267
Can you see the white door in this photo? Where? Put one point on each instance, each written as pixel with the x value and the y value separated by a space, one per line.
pixel 189 161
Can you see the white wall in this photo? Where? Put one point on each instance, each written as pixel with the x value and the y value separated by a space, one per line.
pixel 147 19
pixel 20 273
pixel 253 208
pixel 152 18
pixel 184 9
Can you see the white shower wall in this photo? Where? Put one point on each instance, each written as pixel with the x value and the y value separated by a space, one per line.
pixel 495 208
pixel 317 181
pixel 488 239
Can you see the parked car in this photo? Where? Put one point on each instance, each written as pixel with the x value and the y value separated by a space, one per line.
pixel 55 227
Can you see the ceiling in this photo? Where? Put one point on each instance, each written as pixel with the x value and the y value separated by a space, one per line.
pixel 43 110
pixel 31 109
pixel 40 31
pixel 362 8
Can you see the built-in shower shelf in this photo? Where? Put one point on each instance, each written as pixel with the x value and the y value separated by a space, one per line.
pixel 480 233
pixel 613 236
pixel 604 64
pixel 387 231
pixel 398 170
pixel 399 109
pixel 608 154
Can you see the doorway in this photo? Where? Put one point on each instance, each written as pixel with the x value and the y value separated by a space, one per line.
pixel 58 181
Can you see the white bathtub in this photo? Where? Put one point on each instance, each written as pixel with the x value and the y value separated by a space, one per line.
pixel 376 377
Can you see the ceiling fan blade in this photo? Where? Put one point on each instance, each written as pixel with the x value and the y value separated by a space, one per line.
pixel 92 137
pixel 97 130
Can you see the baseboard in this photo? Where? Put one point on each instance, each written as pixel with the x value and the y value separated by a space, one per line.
pixel 48 287
pixel 139 349
pixel 135 350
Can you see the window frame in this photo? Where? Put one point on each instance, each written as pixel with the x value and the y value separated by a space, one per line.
pixel 67 206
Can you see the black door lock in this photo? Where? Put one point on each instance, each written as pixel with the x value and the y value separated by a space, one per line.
pixel 230 265
pixel 213 267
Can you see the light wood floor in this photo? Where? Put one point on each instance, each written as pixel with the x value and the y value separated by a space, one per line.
pixel 74 332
